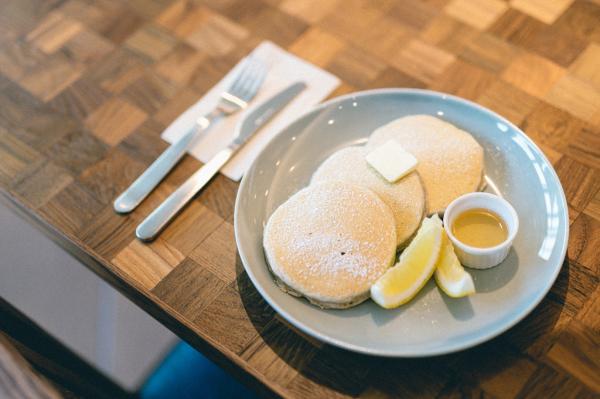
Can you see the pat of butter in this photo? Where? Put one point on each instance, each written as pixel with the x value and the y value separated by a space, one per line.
pixel 391 161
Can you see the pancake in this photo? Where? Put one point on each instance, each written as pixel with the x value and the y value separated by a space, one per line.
pixel 329 242
pixel 406 197
pixel 450 160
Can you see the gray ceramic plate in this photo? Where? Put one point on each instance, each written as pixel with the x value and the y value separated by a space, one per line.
pixel 432 323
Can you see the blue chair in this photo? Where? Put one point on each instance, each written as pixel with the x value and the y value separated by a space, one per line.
pixel 185 373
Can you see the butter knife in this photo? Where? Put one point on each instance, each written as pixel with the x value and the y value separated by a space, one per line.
pixel 256 118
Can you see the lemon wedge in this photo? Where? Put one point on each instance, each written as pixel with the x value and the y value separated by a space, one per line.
pixel 417 263
pixel 450 276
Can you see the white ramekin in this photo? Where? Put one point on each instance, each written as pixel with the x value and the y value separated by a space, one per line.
pixel 482 258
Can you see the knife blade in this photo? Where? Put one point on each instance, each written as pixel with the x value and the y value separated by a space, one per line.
pixel 255 119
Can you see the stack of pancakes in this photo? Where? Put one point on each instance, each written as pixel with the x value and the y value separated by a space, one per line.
pixel 332 240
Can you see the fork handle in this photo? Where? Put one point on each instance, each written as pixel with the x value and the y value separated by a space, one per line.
pixel 147 181
pixel 161 216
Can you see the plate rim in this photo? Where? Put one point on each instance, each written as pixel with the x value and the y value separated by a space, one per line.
pixel 391 352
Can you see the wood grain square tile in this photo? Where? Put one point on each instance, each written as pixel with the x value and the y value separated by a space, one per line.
pixel 142 264
pixel 356 67
pixel 516 27
pixel 116 72
pixel 77 151
pixel 216 36
pixel 552 126
pixel 464 80
pixel 121 26
pixel 71 208
pixel 86 13
pixel 587 66
pixel 17 104
pixel 108 233
pixel 17 57
pixel 550 153
pixel 391 77
pixel 152 42
pixel 273 24
pixel 148 9
pixel 114 120
pixel 413 13
pixel 333 373
pixel 180 65
pixel 53 32
pixel 80 99
pixel 185 168
pixel 189 288
pixel 584 242
pixel 549 383
pixel 448 34
pixel 407 379
pixel 88 47
pixel 574 351
pixel 556 44
pixel 538 331
pixel 508 101
pixel 149 92
pixel 218 254
pixel 47 80
pixel 219 196
pixel 182 17
pixel 386 36
pixel 589 315
pixel 576 287
pixel 422 61
pixel 310 11
pixel 43 184
pixel 509 377
pixel 16 157
pixel 533 74
pixel 313 341
pixel 593 207
pixel 236 316
pixel 545 11
pixel 358 18
pixel 31 122
pixel 176 105
pixel 210 73
pixel 479 14
pixel 167 252
pixel 144 144
pixel 489 52
pixel 579 181
pixel 109 177
pixel 577 97
pixel 317 46
pixel 278 353
pixel 113 20
pixel 191 227
pixel 581 19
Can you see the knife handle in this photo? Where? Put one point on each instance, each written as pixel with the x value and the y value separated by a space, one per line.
pixel 161 216
pixel 147 181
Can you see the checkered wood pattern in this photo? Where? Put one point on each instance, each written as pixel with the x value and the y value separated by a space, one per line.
pixel 86 88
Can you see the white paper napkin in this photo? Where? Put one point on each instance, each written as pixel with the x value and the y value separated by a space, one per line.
pixel 284 69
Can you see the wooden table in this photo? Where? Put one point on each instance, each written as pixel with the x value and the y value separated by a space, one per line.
pixel 87 87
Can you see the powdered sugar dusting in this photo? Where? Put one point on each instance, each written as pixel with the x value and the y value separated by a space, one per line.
pixel 340 256
pixel 331 240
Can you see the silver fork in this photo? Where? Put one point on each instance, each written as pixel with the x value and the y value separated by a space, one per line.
pixel 235 98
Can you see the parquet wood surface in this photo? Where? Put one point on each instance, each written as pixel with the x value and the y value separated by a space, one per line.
pixel 86 87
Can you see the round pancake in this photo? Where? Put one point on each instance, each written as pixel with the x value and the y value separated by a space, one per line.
pixel 450 160
pixel 329 242
pixel 406 197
